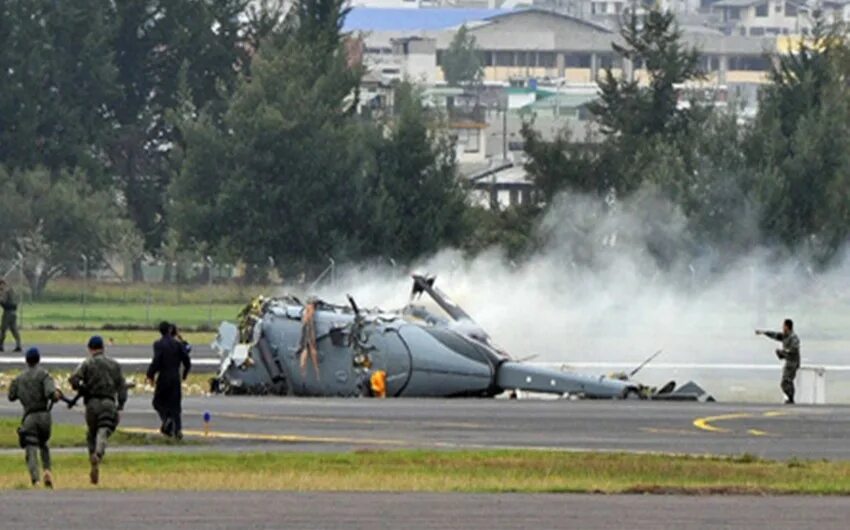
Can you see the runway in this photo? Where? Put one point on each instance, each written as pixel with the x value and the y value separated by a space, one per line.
pixel 181 510
pixel 321 424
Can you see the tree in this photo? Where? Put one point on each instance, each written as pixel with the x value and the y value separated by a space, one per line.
pixel 799 145
pixel 461 63
pixel 168 53
pixel 416 200
pixel 53 221
pixel 559 164
pixel 280 178
pixel 56 83
pixel 631 115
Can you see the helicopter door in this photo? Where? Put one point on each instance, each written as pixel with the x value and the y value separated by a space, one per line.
pixel 390 354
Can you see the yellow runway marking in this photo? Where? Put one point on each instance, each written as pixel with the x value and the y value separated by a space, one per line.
pixel 705 423
pixel 655 430
pixel 756 432
pixel 353 421
pixel 261 437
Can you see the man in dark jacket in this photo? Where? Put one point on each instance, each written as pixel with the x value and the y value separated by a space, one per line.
pixel 9 320
pixel 169 353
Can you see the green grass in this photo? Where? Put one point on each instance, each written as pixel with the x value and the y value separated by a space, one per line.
pixel 64 435
pixel 71 291
pixel 116 315
pixel 463 471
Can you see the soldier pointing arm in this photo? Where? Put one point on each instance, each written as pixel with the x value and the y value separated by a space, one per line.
pixel 789 352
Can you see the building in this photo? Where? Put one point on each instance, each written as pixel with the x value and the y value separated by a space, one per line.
pixel 502 185
pixel 552 46
pixel 757 18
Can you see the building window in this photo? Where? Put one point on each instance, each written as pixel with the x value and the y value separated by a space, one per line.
pixel 778 7
pixel 753 63
pixel 522 59
pixel 761 10
pixel 790 9
pixel 488 58
pixel 504 58
pixel 469 139
pixel 546 59
pixel 608 60
pixel 733 13
pixel 439 57
pixel 577 60
pixel 756 32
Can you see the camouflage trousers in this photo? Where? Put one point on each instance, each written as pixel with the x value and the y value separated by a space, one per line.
pixel 789 373
pixel 9 322
pixel 34 435
pixel 101 421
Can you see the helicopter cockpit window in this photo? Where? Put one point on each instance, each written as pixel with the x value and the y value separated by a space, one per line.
pixel 462 346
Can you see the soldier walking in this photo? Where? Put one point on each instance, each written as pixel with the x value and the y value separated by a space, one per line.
pixel 170 352
pixel 9 321
pixel 101 383
pixel 35 389
pixel 790 353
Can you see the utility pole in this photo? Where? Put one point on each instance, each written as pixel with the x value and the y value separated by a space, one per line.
pixel 209 288
pixel 85 284
pixel 505 131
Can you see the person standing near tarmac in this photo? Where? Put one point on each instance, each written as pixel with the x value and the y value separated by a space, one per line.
pixel 101 383
pixel 790 353
pixel 169 353
pixel 9 321
pixel 36 391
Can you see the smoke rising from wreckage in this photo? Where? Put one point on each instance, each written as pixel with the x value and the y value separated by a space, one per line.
pixel 288 347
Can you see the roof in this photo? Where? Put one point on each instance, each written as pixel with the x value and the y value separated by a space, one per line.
pixel 566 101
pixel 737 3
pixel 504 172
pixel 583 21
pixel 407 19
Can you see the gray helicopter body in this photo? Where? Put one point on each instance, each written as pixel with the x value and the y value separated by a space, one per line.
pixel 421 354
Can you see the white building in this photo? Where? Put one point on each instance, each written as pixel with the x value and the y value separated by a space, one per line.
pixel 758 18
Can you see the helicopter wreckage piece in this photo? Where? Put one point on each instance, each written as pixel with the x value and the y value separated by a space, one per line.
pixel 283 346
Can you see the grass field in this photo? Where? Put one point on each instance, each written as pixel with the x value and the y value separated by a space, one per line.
pixel 71 291
pixel 119 337
pixel 487 471
pixel 116 315
pixel 72 436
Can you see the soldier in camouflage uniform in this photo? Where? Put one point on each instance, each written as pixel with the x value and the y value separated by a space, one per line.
pixel 790 353
pixel 37 393
pixel 9 320
pixel 101 383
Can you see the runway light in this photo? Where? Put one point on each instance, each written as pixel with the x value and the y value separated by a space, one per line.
pixel 207 420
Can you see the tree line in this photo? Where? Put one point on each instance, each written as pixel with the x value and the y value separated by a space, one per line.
pixel 171 129
pixel 779 181
pixel 166 128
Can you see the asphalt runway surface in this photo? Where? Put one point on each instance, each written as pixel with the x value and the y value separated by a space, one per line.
pixel 180 510
pixel 323 424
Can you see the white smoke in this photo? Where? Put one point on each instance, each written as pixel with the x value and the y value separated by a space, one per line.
pixel 596 293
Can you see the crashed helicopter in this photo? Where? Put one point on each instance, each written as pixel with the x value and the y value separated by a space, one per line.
pixel 284 346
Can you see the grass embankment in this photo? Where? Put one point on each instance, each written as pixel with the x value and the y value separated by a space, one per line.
pixel 124 316
pixel 71 291
pixel 488 471
pixel 197 384
pixel 64 435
